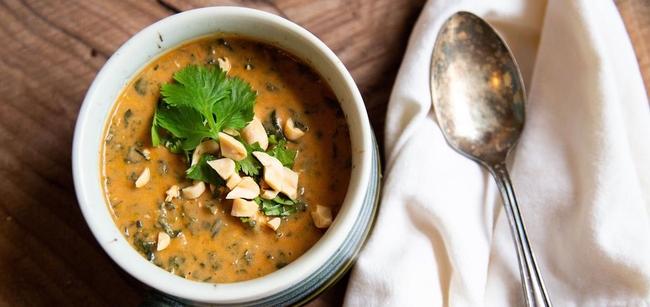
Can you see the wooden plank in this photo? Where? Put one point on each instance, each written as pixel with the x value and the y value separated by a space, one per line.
pixel 636 16
pixel 51 51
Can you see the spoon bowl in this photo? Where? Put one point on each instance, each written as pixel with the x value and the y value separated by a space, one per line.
pixel 479 101
pixel 478 92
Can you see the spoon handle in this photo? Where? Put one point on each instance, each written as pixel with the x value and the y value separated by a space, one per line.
pixel 532 282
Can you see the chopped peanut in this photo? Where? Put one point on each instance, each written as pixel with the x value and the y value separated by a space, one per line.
pixel 233 181
pixel 163 241
pixel 247 189
pixel 173 192
pixel 194 191
pixel 230 131
pixel 291 131
pixel 224 64
pixel 209 146
pixel 225 167
pixel 264 158
pixel 243 208
pixel 273 172
pixel 289 183
pixel 274 223
pixel 254 132
pixel 322 216
pixel 268 193
pixel 231 148
pixel 143 179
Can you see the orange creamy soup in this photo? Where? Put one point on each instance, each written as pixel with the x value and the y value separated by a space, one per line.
pixel 199 238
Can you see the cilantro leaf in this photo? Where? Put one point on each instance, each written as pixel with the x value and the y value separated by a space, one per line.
pixel 198 87
pixel 249 165
pixel 284 200
pixel 271 208
pixel 183 122
pixel 236 111
pixel 278 206
pixel 174 145
pixel 155 135
pixel 282 153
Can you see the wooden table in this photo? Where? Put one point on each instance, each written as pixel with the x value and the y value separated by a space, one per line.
pixel 50 51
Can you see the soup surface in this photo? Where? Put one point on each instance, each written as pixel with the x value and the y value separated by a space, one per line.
pixel 206 242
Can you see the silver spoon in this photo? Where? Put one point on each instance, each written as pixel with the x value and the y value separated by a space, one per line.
pixel 479 101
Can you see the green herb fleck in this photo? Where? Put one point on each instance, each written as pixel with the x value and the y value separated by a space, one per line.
pixel 141 86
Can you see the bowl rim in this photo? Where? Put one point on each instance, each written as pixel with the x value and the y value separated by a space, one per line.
pixel 87 149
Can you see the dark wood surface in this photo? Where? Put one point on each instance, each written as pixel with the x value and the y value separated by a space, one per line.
pixel 50 51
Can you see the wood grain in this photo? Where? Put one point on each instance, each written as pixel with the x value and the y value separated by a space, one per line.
pixel 50 51
pixel 636 16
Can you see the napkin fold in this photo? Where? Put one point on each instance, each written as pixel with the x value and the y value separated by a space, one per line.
pixel 581 172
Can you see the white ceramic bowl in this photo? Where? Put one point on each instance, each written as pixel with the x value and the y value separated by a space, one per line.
pixel 299 281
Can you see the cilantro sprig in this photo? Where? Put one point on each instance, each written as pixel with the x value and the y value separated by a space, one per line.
pixel 201 103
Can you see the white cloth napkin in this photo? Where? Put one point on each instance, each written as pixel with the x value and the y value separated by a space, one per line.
pixel 581 171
